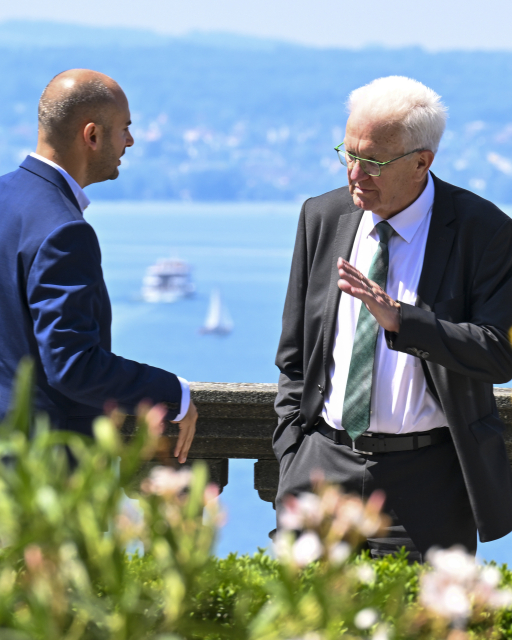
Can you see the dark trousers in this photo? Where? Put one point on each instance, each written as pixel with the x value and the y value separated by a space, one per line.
pixel 426 497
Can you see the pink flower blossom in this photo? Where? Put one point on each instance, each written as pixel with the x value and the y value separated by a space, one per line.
pixel 33 557
pixel 454 562
pixel 444 597
pixel 301 512
pixel 165 481
pixel 457 584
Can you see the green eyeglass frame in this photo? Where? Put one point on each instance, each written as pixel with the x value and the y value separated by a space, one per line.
pixel 370 167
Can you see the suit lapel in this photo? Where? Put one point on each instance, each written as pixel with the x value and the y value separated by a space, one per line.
pixel 50 174
pixel 348 224
pixel 439 245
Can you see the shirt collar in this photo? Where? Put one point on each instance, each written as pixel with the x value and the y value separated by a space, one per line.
pixel 78 192
pixel 407 222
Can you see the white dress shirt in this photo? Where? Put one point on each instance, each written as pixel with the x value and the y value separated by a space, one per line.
pixel 401 401
pixel 78 192
pixel 83 203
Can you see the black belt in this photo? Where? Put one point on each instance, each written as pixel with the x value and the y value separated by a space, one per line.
pixel 371 443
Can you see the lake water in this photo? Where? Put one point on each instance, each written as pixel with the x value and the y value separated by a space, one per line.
pixel 243 249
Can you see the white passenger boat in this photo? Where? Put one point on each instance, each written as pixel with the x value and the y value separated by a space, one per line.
pixel 218 319
pixel 167 281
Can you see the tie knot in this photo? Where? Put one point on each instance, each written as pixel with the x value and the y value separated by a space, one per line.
pixel 385 231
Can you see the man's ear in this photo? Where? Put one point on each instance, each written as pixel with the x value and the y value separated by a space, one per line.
pixel 425 160
pixel 92 135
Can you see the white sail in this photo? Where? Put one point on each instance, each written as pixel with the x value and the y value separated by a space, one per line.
pixel 218 319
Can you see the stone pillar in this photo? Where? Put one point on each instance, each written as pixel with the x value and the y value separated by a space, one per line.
pixel 266 479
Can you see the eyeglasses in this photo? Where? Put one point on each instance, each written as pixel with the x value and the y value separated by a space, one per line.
pixel 370 167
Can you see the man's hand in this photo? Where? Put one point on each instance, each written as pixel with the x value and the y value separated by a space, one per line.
pixel 187 431
pixel 383 308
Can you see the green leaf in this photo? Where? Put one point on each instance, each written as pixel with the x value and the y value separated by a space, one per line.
pixel 20 413
pixel 107 436
pixel 195 501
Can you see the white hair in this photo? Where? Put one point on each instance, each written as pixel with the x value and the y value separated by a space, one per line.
pixel 406 103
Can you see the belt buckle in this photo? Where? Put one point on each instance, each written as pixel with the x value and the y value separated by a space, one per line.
pixel 365 453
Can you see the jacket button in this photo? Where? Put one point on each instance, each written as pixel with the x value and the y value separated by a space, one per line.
pixel 321 389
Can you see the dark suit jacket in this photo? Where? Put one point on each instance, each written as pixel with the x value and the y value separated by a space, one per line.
pixel 54 306
pixel 458 328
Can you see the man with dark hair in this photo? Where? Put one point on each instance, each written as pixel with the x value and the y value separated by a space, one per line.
pixel 53 300
pixel 60 112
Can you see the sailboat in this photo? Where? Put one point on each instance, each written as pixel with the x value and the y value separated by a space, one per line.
pixel 218 319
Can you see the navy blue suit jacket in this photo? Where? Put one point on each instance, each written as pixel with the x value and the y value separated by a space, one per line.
pixel 54 306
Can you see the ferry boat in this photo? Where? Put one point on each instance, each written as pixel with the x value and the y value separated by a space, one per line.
pixel 218 319
pixel 168 280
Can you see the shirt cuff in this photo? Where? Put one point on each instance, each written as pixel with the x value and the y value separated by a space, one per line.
pixel 185 399
pixel 391 336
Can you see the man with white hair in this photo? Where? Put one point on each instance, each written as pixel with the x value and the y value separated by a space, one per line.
pixel 395 328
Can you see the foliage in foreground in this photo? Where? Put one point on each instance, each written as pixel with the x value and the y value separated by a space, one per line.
pixel 65 574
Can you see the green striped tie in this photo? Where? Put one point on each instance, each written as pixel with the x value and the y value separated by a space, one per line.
pixel 358 393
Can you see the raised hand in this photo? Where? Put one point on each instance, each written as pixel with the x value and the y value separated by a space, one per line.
pixel 382 307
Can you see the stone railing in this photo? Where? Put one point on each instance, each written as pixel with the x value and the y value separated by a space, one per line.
pixel 237 421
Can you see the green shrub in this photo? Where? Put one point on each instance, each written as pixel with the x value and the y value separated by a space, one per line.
pixel 65 573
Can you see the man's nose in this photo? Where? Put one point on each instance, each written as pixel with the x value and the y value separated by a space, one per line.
pixel 356 173
pixel 129 140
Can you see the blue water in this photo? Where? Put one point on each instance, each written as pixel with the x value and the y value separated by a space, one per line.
pixel 244 249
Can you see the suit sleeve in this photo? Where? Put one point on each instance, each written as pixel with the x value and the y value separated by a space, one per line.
pixel 479 348
pixel 66 295
pixel 290 353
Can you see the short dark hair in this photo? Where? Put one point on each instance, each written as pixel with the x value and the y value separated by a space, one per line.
pixel 61 116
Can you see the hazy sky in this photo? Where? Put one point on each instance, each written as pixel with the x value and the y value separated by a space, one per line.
pixel 436 24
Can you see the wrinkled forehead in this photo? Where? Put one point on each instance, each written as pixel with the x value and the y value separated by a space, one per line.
pixel 373 135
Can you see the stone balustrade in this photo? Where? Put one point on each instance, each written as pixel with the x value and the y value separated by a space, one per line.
pixel 236 420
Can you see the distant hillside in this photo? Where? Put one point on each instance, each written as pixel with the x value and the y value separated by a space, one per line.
pixel 35 34
pixel 218 117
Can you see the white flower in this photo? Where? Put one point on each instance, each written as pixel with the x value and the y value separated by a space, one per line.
pixel 366 618
pixel 454 562
pixel 311 509
pixel 444 597
pixel 307 549
pixel 283 543
pixel 339 553
pixel 381 633
pixel 290 517
pixel 458 583
pixel 165 481
pixel 501 599
pixel 301 512
pixel 490 576
pixel 455 602
pixel 366 574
